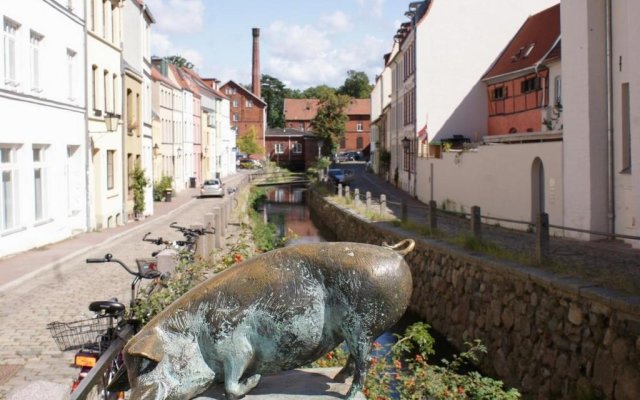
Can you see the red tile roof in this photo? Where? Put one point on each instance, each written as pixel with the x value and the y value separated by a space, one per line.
pixel 157 75
pixel 533 42
pixel 247 92
pixel 203 84
pixel 306 109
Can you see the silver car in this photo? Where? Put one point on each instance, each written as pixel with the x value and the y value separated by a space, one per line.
pixel 212 187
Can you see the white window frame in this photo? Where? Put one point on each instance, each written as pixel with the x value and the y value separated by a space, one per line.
pixel 10 35
pixel 235 117
pixel 248 103
pixel 40 188
pixel 9 213
pixel 35 42
pixel 111 169
pixel 235 103
pixel 71 60
pixel 296 148
pixel 278 148
pixel 359 126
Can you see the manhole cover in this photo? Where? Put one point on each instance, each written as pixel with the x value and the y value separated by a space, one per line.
pixel 7 371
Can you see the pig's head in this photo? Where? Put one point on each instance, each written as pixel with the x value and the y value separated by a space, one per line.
pixel 167 365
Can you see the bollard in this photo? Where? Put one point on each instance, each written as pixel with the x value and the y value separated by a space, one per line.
pixel 433 220
pixel 383 204
pixel 403 210
pixel 223 220
pixel 217 223
pixel 347 195
pixel 542 238
pixel 339 189
pixel 368 201
pixel 356 197
pixel 201 249
pixel 209 223
pixel 167 260
pixel 476 225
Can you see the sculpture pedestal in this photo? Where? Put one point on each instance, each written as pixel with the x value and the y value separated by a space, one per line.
pixel 298 384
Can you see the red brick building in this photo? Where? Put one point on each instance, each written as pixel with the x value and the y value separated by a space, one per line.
pixel 293 149
pixel 247 110
pixel 523 85
pixel 298 114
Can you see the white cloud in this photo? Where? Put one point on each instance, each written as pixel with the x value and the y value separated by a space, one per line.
pixel 178 16
pixel 162 46
pixel 338 21
pixel 297 41
pixel 374 7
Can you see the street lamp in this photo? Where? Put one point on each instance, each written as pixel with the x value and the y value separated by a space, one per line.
pixel 156 150
pixel 320 143
pixel 111 120
pixel 179 152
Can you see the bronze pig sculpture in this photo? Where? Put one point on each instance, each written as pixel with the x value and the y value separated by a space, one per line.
pixel 277 311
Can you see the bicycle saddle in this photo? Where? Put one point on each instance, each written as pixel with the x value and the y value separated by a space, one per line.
pixel 108 306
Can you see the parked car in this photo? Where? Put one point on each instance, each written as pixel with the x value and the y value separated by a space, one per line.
pixel 212 187
pixel 338 175
pixel 249 163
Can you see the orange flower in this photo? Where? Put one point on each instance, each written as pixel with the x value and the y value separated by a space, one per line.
pixel 460 390
pixel 419 358
pixel 238 258
pixel 374 360
pixel 330 355
pixel 397 364
pixel 377 345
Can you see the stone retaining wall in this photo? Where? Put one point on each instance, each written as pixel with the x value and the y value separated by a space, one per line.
pixel 550 337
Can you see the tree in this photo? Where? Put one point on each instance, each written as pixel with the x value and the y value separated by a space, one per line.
pixel 318 92
pixel 356 85
pixel 329 122
pixel 273 93
pixel 248 143
pixel 179 61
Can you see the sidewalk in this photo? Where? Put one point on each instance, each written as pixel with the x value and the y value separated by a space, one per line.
pixel 17 268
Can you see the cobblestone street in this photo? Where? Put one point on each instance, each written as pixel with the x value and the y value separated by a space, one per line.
pixel 27 351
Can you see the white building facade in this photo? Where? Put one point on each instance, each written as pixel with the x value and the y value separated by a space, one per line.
pixel 104 77
pixel 42 112
pixel 601 116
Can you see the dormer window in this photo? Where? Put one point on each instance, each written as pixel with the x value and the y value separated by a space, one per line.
pixel 499 93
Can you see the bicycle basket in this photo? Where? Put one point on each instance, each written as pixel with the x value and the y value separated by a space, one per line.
pixel 146 264
pixel 75 334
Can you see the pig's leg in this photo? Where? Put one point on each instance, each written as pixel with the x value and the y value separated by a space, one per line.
pixel 360 349
pixel 346 371
pixel 234 366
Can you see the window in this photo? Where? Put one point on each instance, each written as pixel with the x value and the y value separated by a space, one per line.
pixel 107 93
pixel 530 85
pixel 8 189
pixel 499 93
pixel 279 148
pixel 297 148
pixel 302 126
pixel 626 129
pixel 110 168
pixel 130 176
pixel 235 117
pixel 130 117
pixel 34 54
pixel 248 103
pixel 39 179
pixel 235 103
pixel 558 90
pixel 10 30
pixel 94 87
pixel 71 59
pixel 115 100
pixel 359 126
pixel 359 142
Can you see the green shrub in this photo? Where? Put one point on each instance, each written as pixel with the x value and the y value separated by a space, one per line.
pixel 160 186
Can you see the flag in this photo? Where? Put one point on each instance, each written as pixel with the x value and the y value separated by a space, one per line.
pixel 422 133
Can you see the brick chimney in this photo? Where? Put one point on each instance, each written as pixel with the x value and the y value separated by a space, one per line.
pixel 255 77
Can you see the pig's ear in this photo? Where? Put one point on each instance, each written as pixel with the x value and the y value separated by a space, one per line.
pixel 149 347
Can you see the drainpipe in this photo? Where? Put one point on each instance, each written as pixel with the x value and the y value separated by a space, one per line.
pixel 610 145
pixel 87 142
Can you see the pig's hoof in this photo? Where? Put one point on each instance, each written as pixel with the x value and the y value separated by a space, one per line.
pixel 252 381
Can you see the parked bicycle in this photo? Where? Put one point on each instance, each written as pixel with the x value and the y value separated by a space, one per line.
pixel 101 339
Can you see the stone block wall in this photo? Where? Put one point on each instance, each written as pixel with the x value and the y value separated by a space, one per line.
pixel 548 336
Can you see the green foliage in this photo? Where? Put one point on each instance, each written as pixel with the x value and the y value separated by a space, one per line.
pixel 138 182
pixel 406 373
pixel 160 186
pixel 179 61
pixel 318 92
pixel 273 93
pixel 356 85
pixel 265 235
pixel 330 121
pixel 248 143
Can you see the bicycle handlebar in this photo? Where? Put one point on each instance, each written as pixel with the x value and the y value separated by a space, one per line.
pixel 157 241
pixel 109 258
pixel 192 231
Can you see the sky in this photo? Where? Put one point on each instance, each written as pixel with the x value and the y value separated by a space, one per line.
pixel 303 43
